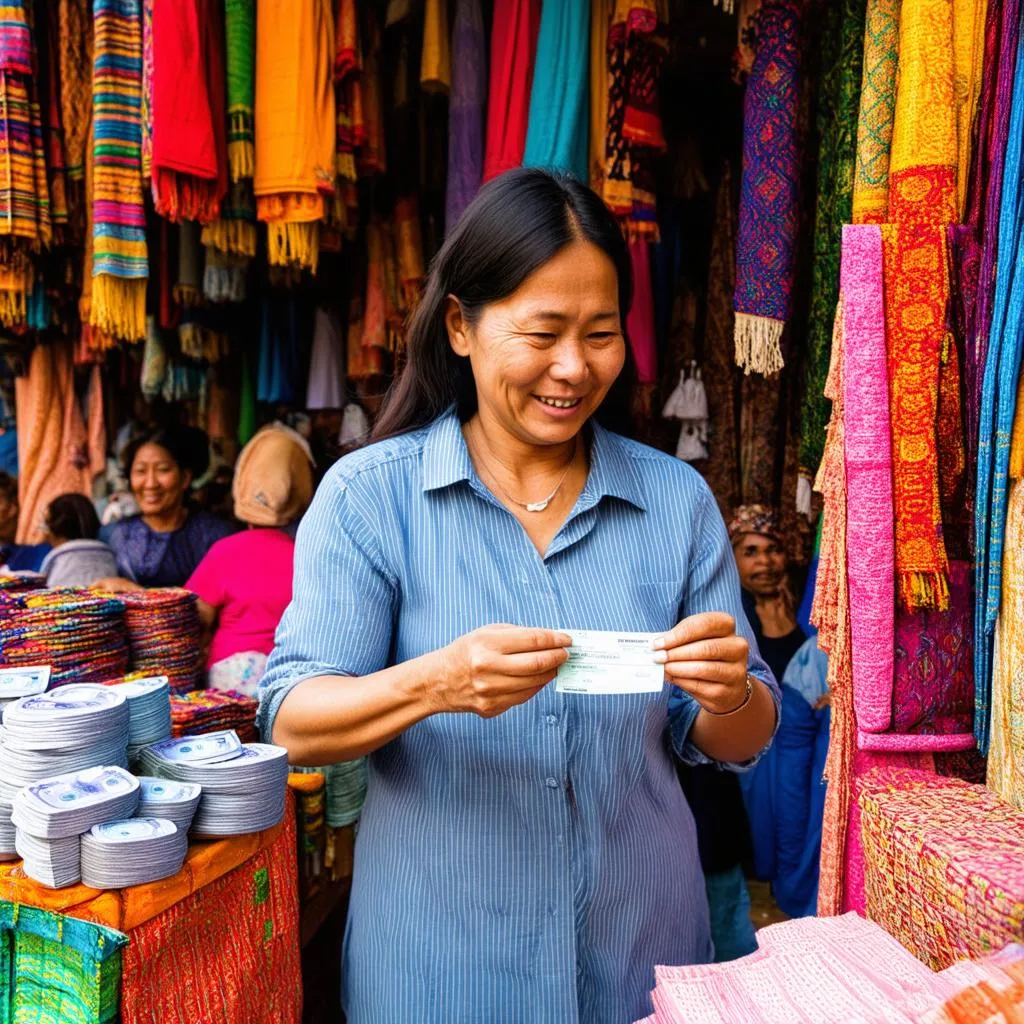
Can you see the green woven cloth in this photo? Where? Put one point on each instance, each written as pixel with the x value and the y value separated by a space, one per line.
pixel 240 40
pixel 838 107
pixel 57 969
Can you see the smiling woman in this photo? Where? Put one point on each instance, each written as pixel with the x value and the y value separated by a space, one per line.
pixel 535 845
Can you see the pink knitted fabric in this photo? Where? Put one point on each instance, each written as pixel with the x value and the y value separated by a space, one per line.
pixel 869 504
pixel 906 742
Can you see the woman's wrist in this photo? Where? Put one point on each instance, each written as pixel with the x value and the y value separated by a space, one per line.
pixel 748 693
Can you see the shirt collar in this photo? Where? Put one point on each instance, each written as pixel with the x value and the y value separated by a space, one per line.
pixel 613 474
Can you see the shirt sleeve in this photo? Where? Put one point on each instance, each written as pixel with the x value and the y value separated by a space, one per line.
pixel 713 585
pixel 207 582
pixel 345 599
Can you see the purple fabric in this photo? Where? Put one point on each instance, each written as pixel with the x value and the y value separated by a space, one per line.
pixel 164 559
pixel 978 253
pixel 466 109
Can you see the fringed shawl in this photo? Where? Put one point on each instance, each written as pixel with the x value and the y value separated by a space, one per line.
pixel 769 193
pixel 190 172
pixel 119 260
pixel 295 126
pixel 240 46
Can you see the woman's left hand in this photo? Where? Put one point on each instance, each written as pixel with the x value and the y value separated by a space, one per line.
pixel 704 656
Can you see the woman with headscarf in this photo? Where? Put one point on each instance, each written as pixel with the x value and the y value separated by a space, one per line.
pixel 244 583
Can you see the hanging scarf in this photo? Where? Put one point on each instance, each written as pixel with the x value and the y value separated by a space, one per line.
pixel 119 266
pixel 466 110
pixel 1006 754
pixel 224 276
pixel 842 59
pixel 513 52
pixel 977 265
pixel 868 468
pixel 294 145
pixel 722 473
pixel 240 45
pixel 409 254
pixel 636 49
pixel 877 112
pixel 922 200
pixel 435 60
pixel 233 233
pixel 830 613
pixel 640 320
pixel 998 403
pixel 556 137
pixel 968 51
pixel 769 192
pixel 347 66
pixel 190 171
pixel 76 60
pixel 600 84
pixel 188 286
pixel 368 116
pixel 56 163
pixel 148 63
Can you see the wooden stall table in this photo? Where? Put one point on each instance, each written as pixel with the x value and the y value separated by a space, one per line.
pixel 217 943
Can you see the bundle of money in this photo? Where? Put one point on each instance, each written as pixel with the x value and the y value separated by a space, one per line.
pixel 68 729
pixel 134 851
pixel 165 798
pixel 149 705
pixel 243 785
pixel 16 683
pixel 52 862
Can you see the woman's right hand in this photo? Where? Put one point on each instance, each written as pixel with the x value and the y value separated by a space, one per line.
pixel 494 668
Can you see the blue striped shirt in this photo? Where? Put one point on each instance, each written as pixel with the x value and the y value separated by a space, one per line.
pixel 534 867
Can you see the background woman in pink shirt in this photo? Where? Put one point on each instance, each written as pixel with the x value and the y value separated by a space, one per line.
pixel 244 583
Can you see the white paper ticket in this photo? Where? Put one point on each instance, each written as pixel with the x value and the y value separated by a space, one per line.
pixel 605 662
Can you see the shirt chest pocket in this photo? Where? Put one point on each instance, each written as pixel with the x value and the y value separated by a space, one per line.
pixel 658 606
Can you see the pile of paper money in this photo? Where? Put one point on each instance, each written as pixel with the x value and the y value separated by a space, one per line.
pixel 51 815
pixel 68 729
pixel 16 683
pixel 165 798
pixel 149 704
pixel 132 852
pixel 243 785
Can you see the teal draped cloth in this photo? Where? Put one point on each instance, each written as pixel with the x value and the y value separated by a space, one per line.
pixel 998 403
pixel 558 133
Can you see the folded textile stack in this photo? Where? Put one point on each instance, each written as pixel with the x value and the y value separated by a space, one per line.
pixel 944 864
pixel 813 970
pixel 204 711
pixel 990 991
pixel 164 634
pixel 16 581
pixel 78 634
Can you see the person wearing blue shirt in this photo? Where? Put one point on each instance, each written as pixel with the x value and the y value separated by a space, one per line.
pixel 525 856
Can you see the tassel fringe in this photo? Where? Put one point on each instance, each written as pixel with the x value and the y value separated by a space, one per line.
pixel 241 149
pixel 293 245
pixel 236 237
pixel 13 308
pixel 923 591
pixel 118 306
pixel 224 283
pixel 186 295
pixel 758 344
pixel 179 197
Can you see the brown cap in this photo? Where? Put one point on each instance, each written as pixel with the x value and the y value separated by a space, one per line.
pixel 273 483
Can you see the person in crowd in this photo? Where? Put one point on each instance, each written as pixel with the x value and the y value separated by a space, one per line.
pixel 244 582
pixel 784 794
pixel 166 541
pixel 760 551
pixel 16 557
pixel 76 558
pixel 535 845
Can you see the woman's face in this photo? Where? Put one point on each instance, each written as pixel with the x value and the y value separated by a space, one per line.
pixel 544 358
pixel 158 482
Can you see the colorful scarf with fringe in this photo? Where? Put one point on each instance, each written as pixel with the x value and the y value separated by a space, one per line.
pixel 119 257
pixel 240 44
pixel 56 163
pixel 842 61
pixel 637 46
pixel 76 61
pixel 769 191
pixel 190 172
pixel 466 109
pixel 295 147
pixel 922 201
pixel 998 405
pixel 877 112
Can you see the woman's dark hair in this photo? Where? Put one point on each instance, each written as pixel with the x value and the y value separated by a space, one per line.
pixel 73 517
pixel 513 227
pixel 188 446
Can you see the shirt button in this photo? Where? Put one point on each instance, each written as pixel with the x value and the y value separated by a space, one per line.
pixel 551 782
pixel 551 719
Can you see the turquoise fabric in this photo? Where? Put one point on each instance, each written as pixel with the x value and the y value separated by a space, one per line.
pixel 998 403
pixel 558 133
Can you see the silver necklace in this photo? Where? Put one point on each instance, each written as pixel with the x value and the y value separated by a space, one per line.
pixel 536 506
